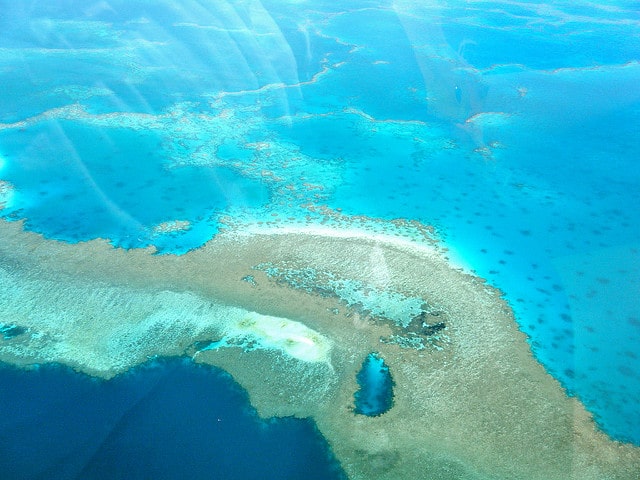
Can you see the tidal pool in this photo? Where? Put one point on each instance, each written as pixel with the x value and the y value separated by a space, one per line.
pixel 375 395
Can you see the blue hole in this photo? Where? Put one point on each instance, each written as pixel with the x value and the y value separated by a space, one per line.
pixel 375 396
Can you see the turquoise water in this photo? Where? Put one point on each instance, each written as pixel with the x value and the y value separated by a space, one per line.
pixel 115 184
pixel 509 127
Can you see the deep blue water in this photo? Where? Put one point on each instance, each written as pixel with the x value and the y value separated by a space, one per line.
pixel 167 419
pixel 377 103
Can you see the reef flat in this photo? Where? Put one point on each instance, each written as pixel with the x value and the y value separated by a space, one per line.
pixel 472 405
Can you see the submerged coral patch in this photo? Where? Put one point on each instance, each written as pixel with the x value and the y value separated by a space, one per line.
pixel 6 192
pixel 11 331
pixel 407 316
pixel 172 227
pixel 380 303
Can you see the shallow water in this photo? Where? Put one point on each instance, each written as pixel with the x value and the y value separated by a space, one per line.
pixel 508 127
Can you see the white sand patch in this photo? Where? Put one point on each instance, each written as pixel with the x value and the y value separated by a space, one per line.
pixel 343 233
pixel 293 338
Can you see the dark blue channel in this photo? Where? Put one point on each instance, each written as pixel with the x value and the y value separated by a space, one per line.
pixel 169 419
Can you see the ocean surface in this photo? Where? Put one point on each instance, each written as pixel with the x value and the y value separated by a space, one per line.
pixel 167 419
pixel 510 127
